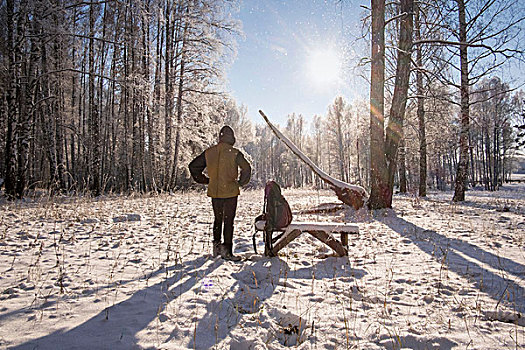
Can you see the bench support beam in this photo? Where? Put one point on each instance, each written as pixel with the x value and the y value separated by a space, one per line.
pixel 285 240
pixel 323 236
pixel 330 241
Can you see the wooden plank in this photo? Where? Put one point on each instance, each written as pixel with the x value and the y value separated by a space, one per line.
pixel 316 226
pixel 330 241
pixel 324 226
pixel 285 240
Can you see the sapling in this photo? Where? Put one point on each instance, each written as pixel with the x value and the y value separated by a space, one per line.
pixel 345 321
pixel 313 280
pixel 4 233
pixel 442 267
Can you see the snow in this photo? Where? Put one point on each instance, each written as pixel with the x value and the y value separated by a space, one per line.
pixel 427 274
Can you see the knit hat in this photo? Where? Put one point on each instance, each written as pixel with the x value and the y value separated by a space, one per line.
pixel 226 135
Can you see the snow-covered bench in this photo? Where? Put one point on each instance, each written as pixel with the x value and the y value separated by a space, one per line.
pixel 322 231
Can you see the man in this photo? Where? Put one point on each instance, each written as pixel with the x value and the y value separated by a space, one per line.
pixel 222 162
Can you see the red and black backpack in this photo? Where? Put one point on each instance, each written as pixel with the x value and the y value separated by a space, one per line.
pixel 276 213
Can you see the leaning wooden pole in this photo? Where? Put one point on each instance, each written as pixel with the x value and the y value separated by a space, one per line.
pixel 352 195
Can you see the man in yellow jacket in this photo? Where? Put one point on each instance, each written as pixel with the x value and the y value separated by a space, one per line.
pixel 222 162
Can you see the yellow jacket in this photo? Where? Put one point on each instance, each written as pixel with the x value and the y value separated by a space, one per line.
pixel 223 162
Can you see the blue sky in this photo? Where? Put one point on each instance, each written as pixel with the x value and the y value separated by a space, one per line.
pixel 273 68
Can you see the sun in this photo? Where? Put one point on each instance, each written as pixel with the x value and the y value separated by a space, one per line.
pixel 324 67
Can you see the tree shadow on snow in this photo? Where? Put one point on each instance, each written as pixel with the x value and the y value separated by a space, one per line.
pixel 416 342
pixel 116 326
pixel 54 299
pixel 492 274
pixel 502 207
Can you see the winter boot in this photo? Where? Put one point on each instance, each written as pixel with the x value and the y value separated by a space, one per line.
pixel 227 254
pixel 218 249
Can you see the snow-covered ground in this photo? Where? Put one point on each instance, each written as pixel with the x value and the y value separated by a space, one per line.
pixel 124 273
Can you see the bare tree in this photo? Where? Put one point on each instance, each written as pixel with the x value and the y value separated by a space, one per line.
pixel 338 122
pixel 382 172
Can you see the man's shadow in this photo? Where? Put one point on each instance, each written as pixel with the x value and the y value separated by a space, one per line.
pixel 254 284
pixel 116 326
pixel 498 279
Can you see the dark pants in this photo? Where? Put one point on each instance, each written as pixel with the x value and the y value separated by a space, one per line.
pixel 224 210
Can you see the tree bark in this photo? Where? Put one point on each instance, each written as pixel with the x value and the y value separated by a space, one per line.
pixel 168 109
pixel 11 144
pixel 46 112
pixel 461 172
pixel 180 91
pixel 394 132
pixel 94 127
pixel 420 109
pixel 339 110
pixel 402 167
pixel 149 152
pixel 24 117
pixel 60 59
pixel 378 169
pixel 156 108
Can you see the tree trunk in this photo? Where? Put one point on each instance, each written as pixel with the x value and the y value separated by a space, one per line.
pixel 24 131
pixel 495 147
pixel 180 109
pixel 394 132
pixel 472 171
pixel 11 144
pixel 462 169
pixel 359 179
pixel 149 153
pixel 420 110
pixel 378 170
pixel 24 118
pixel 156 107
pixel 58 88
pixel 168 95
pixel 339 116
pixel 94 127
pixel 47 109
pixel 402 167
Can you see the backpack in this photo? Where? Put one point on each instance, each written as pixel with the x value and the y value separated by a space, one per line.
pixel 276 212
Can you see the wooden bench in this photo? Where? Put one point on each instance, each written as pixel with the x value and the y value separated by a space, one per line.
pixel 322 231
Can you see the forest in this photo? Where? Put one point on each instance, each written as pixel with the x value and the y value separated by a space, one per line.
pixel 118 96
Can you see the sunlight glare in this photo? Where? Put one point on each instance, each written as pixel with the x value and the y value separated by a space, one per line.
pixel 324 67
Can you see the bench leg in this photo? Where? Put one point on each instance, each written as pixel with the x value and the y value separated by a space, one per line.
pixel 330 241
pixel 285 240
pixel 344 239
